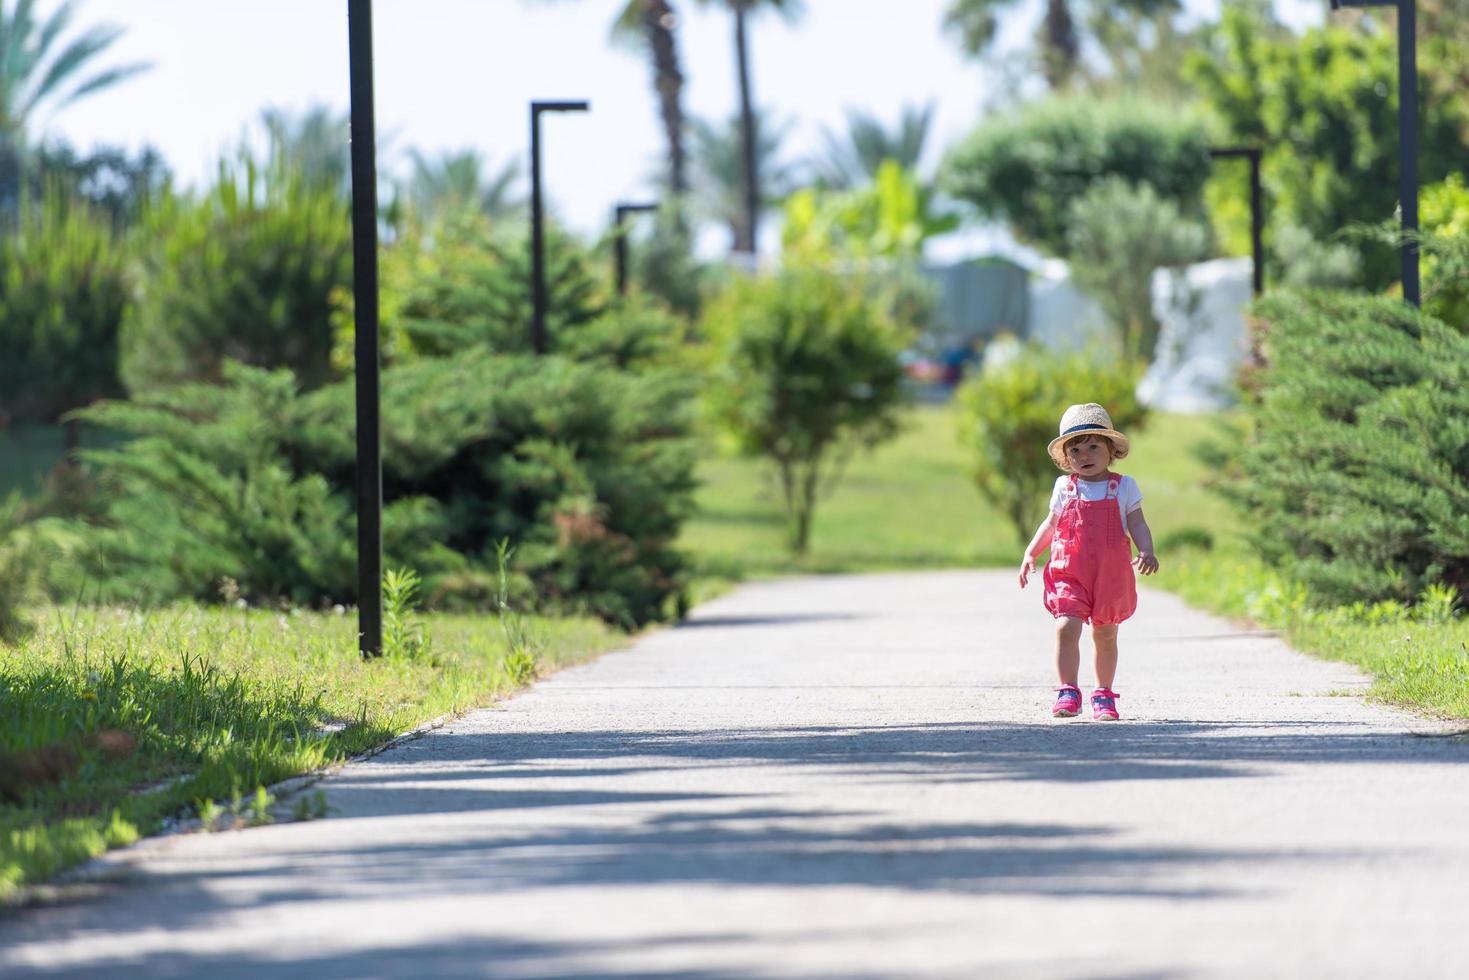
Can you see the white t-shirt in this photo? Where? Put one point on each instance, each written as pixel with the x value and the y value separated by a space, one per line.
pixel 1129 497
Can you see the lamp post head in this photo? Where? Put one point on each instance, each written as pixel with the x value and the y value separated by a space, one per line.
pixel 559 105
pixel 623 209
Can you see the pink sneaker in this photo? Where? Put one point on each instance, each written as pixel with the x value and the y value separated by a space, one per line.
pixel 1068 702
pixel 1104 704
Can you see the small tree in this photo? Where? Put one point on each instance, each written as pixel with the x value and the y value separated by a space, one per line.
pixel 806 371
pixel 1008 415
pixel 1120 235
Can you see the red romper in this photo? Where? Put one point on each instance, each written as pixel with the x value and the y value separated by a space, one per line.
pixel 1089 575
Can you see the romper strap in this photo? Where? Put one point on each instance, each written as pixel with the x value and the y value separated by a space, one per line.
pixel 1112 486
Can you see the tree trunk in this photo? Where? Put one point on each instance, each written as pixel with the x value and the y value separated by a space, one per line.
pixel 1061 48
pixel 808 506
pixel 658 22
pixel 745 240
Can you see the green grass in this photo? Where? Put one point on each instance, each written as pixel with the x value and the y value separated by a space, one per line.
pixel 1418 664
pixel 219 703
pixel 911 504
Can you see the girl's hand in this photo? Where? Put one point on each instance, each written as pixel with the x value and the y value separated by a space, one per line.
pixel 1027 569
pixel 1146 563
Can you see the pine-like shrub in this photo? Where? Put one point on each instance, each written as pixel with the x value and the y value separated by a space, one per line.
pixel 205 497
pixel 586 469
pixel 1008 414
pixel 250 272
pixel 1357 475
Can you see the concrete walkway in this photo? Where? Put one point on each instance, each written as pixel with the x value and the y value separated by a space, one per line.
pixel 841 777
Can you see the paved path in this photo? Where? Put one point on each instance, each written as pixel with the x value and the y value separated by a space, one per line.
pixel 841 777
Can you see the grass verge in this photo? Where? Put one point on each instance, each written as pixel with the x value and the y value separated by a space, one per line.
pixel 188 707
pixel 1418 658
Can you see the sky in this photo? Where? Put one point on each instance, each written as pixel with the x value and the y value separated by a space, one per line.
pixel 454 74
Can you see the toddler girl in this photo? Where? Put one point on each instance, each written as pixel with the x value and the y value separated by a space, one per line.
pixel 1088 578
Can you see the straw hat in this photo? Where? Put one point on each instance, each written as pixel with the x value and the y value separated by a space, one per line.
pixel 1090 419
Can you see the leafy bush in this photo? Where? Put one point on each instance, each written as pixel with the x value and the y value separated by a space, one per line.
pixel 1009 414
pixel 63 292
pixel 892 217
pixel 458 283
pixel 1120 234
pixel 1324 107
pixel 1446 251
pixel 1029 167
pixel 805 372
pixel 1358 474
pixel 1297 260
pixel 250 272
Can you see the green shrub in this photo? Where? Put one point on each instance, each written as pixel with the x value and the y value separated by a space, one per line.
pixel 1120 235
pixel 1027 168
pixel 1446 251
pixel 1323 106
pixel 1009 413
pixel 1357 477
pixel 63 292
pixel 249 272
pixel 666 269
pixel 805 372
pixel 205 497
pixel 458 283
pixel 586 469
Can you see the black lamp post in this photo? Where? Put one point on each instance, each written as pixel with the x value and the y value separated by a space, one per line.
pixel 619 240
pixel 537 237
pixel 1257 209
pixel 1407 132
pixel 364 292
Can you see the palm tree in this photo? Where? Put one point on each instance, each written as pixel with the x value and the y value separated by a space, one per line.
pixel 36 74
pixel 852 158
pixel 977 23
pixel 316 141
pixel 750 140
pixel 720 182
pixel 456 182
pixel 652 24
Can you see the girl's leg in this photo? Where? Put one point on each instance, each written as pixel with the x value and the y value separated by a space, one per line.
pixel 1068 649
pixel 1104 639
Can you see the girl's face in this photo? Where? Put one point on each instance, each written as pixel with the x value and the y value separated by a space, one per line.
pixel 1090 456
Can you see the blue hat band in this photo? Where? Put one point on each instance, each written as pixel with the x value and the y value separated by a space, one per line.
pixel 1083 428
